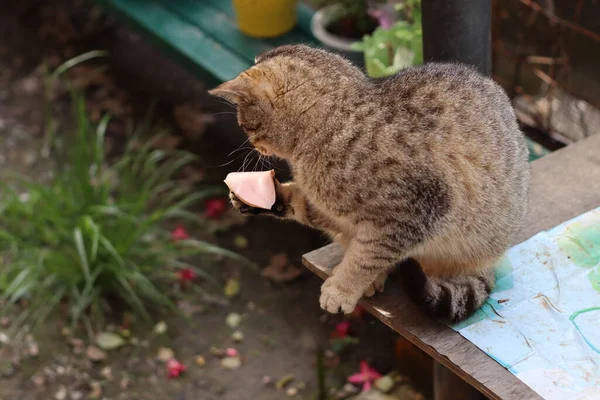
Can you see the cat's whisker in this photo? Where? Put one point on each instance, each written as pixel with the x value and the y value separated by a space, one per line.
pixel 224 113
pixel 256 163
pixel 246 159
pixel 225 102
pixel 223 165
pixel 235 151
pixel 239 147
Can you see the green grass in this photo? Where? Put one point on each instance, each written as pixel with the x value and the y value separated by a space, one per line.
pixel 96 235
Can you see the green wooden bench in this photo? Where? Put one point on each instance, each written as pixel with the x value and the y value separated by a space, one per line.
pixel 202 35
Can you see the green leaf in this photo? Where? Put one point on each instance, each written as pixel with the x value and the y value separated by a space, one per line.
pixel 109 341
pixel 232 288
pixel 80 245
pixel 67 65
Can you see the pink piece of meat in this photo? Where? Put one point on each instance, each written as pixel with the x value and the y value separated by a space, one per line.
pixel 256 189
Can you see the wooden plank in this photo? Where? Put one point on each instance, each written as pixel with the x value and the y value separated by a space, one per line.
pixel 565 184
pixel 192 47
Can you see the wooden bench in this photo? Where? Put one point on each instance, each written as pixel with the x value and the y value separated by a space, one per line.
pixel 565 184
pixel 202 34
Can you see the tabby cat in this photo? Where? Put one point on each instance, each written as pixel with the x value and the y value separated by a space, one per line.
pixel 426 170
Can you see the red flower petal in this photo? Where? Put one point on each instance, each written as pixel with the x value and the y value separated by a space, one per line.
pixel 341 330
pixel 231 352
pixel 187 274
pixel 179 233
pixel 175 368
pixel 215 208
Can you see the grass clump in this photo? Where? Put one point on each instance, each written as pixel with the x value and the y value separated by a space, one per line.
pixel 96 235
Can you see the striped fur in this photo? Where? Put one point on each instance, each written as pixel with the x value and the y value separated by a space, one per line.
pixel 450 299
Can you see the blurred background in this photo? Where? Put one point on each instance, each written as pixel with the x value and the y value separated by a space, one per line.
pixel 123 272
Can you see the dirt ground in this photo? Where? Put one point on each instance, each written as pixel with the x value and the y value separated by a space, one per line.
pixel 281 323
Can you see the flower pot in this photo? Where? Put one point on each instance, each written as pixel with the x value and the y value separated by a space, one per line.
pixel 339 44
pixel 265 18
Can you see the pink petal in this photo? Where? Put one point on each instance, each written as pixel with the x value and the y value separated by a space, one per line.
pixel 356 378
pixel 231 352
pixel 342 329
pixel 215 208
pixel 179 233
pixel 366 386
pixel 364 367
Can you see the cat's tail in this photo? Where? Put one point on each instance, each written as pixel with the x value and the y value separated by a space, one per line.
pixel 448 299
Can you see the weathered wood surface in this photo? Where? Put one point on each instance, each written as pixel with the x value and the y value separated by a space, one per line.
pixel 564 184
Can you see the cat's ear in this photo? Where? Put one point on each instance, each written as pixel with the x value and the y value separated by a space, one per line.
pixel 235 91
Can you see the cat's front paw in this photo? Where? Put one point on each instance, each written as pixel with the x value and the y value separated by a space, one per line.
pixel 243 207
pixel 336 296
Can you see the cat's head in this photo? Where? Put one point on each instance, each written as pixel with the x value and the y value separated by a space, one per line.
pixel 286 94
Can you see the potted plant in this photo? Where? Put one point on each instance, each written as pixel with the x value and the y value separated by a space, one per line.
pixel 394 45
pixel 340 23
pixel 265 18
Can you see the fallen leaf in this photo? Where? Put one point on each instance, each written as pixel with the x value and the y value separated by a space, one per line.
pixel 384 384
pixel 231 362
pixel 95 354
pixel 284 381
pixel 232 288
pixel 237 336
pixel 165 354
pixel 109 341
pixel 217 352
pixel 233 320
pixel 291 392
pixel 200 361
pixel 279 270
pixel 160 328
pixel 240 242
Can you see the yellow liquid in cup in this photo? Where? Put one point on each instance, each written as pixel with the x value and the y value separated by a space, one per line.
pixel 265 18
